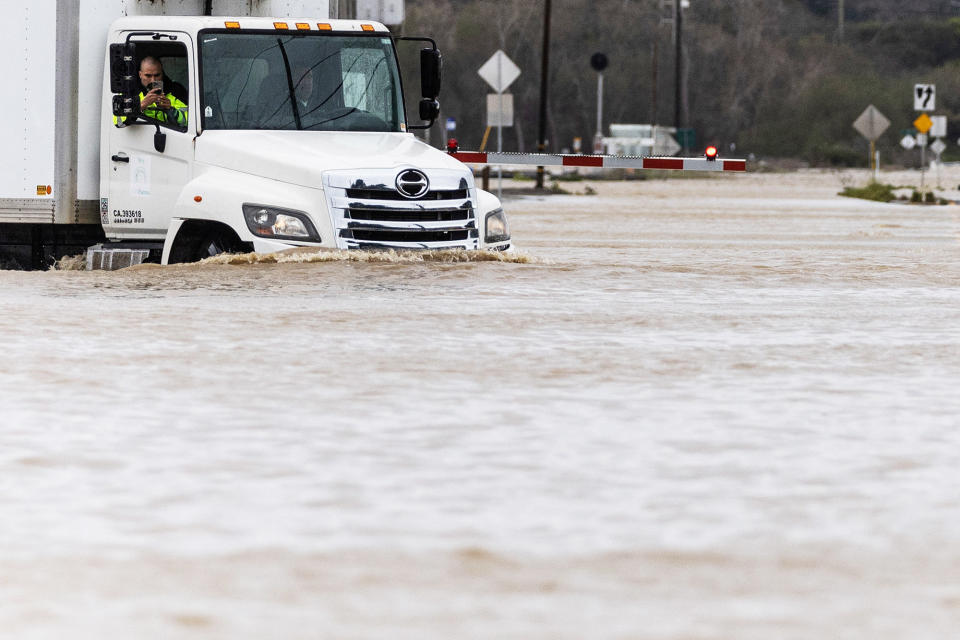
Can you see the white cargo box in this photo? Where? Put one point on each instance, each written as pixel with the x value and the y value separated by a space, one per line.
pixel 49 171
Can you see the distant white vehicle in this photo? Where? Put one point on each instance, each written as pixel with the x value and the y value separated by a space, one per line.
pixel 292 132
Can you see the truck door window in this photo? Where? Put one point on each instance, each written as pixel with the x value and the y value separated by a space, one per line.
pixel 164 71
pixel 313 81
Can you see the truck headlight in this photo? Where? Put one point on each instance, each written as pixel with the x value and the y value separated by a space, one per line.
pixel 273 222
pixel 496 227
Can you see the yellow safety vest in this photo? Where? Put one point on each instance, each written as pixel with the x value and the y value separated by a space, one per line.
pixel 177 111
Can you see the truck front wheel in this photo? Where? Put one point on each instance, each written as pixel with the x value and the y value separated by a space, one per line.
pixel 217 242
pixel 199 239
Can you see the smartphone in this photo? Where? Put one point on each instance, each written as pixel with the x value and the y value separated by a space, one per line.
pixel 155 85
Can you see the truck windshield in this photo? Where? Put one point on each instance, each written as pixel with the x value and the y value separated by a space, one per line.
pixel 299 81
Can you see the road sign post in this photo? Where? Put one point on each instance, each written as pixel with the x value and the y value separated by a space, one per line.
pixel 871 124
pixel 938 147
pixel 938 131
pixel 499 72
pixel 923 124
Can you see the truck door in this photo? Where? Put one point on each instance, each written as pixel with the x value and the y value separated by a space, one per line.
pixel 144 183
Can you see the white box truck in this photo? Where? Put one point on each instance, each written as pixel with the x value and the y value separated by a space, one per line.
pixel 170 130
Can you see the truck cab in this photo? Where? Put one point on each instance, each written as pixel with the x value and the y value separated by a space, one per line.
pixel 293 134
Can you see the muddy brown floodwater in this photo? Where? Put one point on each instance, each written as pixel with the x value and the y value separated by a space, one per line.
pixel 713 409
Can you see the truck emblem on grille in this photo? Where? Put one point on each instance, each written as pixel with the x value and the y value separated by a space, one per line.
pixel 412 183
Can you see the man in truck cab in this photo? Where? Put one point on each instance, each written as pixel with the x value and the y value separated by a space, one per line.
pixel 274 99
pixel 154 103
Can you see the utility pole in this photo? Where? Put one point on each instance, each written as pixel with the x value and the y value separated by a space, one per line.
pixel 654 80
pixel 840 19
pixel 678 59
pixel 544 76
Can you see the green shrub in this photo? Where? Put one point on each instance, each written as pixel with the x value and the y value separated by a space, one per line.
pixel 873 191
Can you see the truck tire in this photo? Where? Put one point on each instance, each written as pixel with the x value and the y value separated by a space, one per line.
pixel 216 242
pixel 199 239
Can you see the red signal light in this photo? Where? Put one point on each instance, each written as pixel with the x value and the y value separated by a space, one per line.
pixel 711 153
pixel 452 145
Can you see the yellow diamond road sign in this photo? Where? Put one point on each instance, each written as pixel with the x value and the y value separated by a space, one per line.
pixel 923 123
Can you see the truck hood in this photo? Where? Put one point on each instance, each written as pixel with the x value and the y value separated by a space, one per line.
pixel 300 157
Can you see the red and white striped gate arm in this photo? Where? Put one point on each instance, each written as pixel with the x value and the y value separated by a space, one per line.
pixel 604 162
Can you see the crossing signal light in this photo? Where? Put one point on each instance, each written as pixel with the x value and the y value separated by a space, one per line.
pixel 711 153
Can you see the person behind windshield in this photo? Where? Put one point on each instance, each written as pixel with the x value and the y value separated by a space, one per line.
pixel 303 89
pixel 280 116
pixel 154 103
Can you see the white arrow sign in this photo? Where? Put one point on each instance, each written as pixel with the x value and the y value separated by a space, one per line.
pixel 499 71
pixel 924 97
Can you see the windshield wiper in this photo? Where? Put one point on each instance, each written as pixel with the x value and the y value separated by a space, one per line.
pixel 293 99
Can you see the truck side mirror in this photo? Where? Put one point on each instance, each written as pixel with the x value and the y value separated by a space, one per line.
pixel 124 80
pixel 431 64
pixel 429 110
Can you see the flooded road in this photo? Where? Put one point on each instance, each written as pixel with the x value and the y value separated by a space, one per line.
pixel 712 409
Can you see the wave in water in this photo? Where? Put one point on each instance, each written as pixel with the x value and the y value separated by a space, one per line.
pixel 299 256
pixel 311 255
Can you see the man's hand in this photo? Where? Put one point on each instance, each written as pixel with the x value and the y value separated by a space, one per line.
pixel 154 97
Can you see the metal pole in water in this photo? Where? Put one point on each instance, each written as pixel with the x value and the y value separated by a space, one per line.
pixel 923 164
pixel 499 137
pixel 500 125
pixel 544 71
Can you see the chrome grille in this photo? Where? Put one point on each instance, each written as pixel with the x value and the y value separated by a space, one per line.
pixel 368 212
pixel 384 194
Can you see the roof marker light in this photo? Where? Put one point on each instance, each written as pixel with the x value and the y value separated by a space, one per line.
pixel 367 27
pixel 280 25
pixel 232 25
pixel 324 26
pixel 303 26
pixel 711 153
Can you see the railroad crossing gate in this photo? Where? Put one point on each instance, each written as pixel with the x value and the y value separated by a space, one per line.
pixel 600 162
